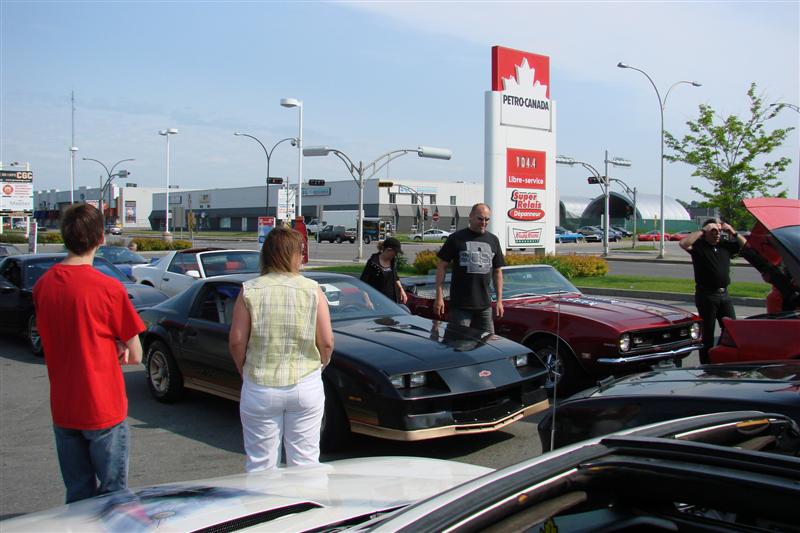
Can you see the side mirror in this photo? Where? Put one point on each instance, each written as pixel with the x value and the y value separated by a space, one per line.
pixel 193 274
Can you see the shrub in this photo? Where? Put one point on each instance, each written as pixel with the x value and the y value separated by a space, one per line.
pixel 53 237
pixel 426 261
pixel 144 244
pixel 13 237
pixel 570 266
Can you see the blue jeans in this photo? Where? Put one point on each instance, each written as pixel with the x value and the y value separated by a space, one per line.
pixel 472 318
pixel 93 461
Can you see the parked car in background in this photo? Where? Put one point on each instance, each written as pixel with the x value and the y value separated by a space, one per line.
pixel 774 248
pixel 18 275
pixel 335 234
pixel 350 234
pixel 669 392
pixel 7 249
pixel 613 235
pixel 577 336
pixel 178 269
pixel 392 375
pixel 20 224
pixel 332 496
pixel 678 236
pixel 431 235
pixel 314 225
pixel 653 235
pixel 122 258
pixel 113 229
pixel 591 233
pixel 565 235
pixel 622 231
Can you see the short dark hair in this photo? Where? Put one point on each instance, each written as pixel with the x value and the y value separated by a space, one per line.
pixel 713 220
pixel 279 249
pixel 82 228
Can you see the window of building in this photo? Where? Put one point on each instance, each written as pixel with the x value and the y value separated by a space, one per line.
pixel 225 223
pixel 432 199
pixel 392 197
pixel 453 200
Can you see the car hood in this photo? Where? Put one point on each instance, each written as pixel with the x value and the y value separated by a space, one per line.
pixel 142 296
pixel 408 343
pixel 301 498
pixel 776 235
pixel 781 380
pixel 621 313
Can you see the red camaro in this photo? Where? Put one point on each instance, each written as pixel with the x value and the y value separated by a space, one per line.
pixel 652 236
pixel 775 241
pixel 576 335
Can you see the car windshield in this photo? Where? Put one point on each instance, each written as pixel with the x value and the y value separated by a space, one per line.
pixel 119 255
pixel 534 281
pixel 351 299
pixel 221 263
pixel 35 269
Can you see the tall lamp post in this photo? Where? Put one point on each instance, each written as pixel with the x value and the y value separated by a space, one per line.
pixel 267 153
pixel 603 181
pixel 110 176
pixel 632 196
pixel 661 104
pixel 166 133
pixel 72 150
pixel 363 172
pixel 795 108
pixel 294 102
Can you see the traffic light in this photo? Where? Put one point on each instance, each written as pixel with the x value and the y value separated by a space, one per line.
pixel 316 183
pixel 386 184
pixel 593 180
pixel 274 181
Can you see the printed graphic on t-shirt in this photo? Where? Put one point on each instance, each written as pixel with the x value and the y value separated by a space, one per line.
pixel 477 258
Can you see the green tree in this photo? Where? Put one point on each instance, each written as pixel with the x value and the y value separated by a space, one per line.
pixel 732 154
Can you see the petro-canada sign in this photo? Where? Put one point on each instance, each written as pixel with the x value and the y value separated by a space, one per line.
pixel 523 79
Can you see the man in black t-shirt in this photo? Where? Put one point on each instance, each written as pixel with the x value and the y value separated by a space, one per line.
pixel 476 257
pixel 711 249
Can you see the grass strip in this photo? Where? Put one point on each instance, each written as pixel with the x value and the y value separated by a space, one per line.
pixel 743 289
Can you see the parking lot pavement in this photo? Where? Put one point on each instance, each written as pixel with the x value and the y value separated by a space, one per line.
pixel 196 438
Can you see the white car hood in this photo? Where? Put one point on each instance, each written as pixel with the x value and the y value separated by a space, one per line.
pixel 326 494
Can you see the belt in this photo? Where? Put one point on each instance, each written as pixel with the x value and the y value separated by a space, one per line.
pixel 717 290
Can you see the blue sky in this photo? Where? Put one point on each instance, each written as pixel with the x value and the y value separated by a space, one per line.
pixel 373 77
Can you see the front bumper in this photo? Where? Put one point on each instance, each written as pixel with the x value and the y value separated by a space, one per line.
pixel 668 354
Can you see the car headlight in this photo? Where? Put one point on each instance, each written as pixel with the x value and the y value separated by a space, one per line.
pixel 407 381
pixel 520 360
pixel 696 334
pixel 625 343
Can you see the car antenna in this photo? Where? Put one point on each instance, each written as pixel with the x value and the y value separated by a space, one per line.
pixel 556 375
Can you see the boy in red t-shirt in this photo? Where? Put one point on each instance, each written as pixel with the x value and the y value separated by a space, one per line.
pixel 88 328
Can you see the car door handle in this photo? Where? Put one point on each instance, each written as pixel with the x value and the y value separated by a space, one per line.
pixel 164 279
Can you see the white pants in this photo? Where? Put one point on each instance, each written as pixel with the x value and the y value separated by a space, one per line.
pixel 290 414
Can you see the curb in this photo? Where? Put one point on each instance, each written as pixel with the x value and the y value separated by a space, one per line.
pixel 673 296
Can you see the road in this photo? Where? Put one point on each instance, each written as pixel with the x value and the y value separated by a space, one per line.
pixel 199 437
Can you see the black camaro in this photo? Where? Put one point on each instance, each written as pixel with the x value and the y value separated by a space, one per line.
pixel 392 375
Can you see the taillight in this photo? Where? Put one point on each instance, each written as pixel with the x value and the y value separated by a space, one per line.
pixel 725 339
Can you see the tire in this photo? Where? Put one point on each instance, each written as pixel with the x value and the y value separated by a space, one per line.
pixel 335 433
pixel 164 378
pixel 571 375
pixel 367 239
pixel 33 337
pixel 417 239
pixel 338 240
pixel 352 241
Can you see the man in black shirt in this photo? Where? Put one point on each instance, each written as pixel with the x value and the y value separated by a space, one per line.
pixel 711 249
pixel 476 257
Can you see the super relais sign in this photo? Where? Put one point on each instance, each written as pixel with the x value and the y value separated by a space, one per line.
pixel 519 177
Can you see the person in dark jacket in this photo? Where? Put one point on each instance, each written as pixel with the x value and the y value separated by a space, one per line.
pixel 381 271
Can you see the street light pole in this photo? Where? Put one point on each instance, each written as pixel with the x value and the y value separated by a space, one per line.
pixel 795 108
pixel 294 102
pixel 661 104
pixel 166 133
pixel 359 172
pixel 267 153
pixel 110 174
